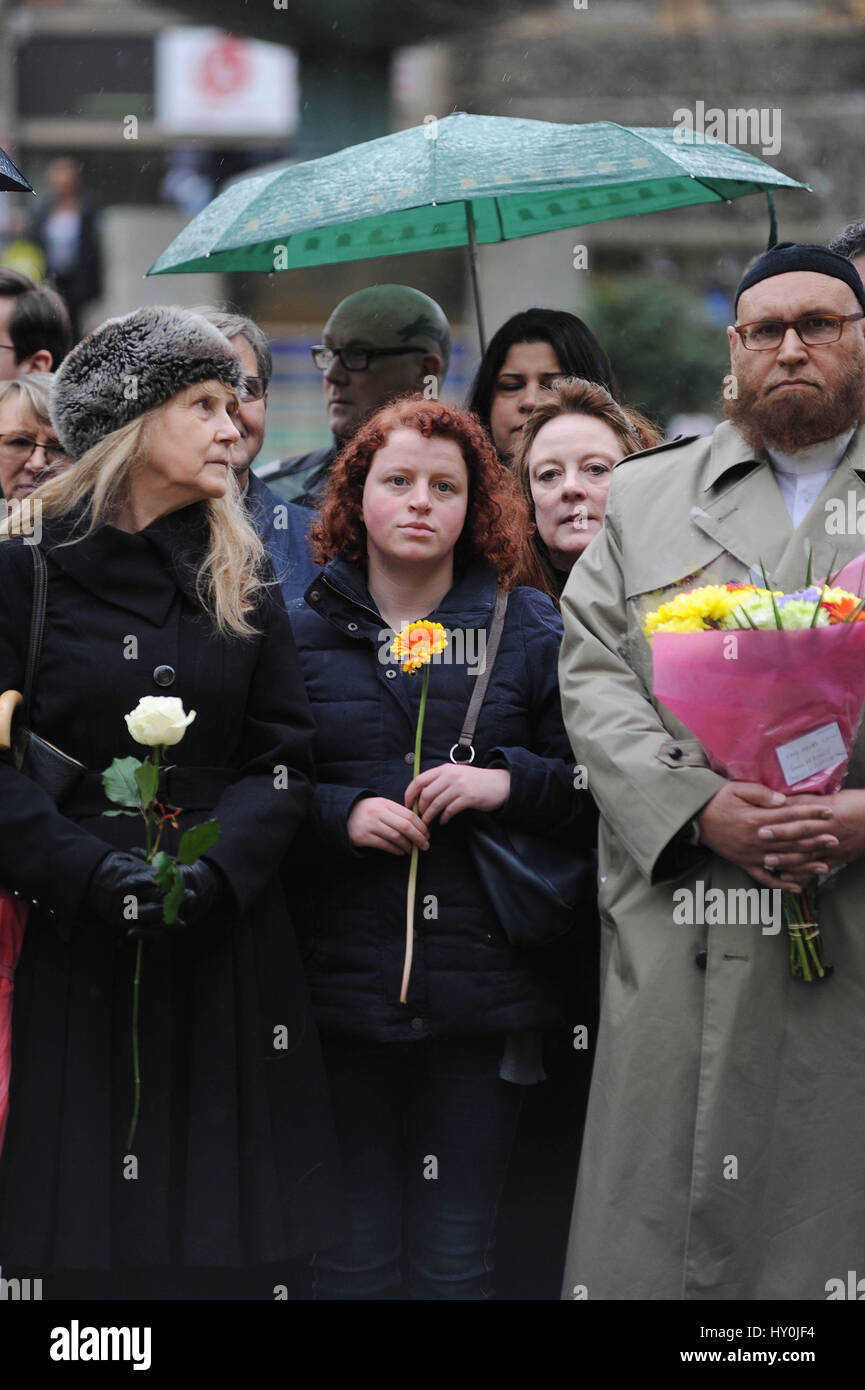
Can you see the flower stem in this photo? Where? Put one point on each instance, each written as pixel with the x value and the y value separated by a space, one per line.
pixel 135 1058
pixel 413 867
pixel 806 951
pixel 150 849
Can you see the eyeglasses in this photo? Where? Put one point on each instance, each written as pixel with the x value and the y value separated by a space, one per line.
pixel 18 448
pixel 253 388
pixel 355 359
pixel 814 330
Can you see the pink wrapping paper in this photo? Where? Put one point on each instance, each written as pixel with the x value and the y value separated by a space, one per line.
pixel 770 688
pixel 851 577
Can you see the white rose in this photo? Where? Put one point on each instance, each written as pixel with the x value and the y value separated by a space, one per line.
pixel 158 720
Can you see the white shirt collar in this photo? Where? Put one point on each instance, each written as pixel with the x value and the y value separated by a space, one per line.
pixel 815 458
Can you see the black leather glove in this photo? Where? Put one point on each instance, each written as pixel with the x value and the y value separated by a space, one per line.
pixel 205 886
pixel 119 876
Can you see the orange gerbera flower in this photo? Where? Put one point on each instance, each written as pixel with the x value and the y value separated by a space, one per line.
pixel 840 609
pixel 417 643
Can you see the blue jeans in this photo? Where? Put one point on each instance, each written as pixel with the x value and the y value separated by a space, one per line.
pixel 425 1132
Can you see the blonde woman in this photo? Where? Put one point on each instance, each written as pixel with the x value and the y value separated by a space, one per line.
pixel 30 451
pixel 157 585
pixel 569 446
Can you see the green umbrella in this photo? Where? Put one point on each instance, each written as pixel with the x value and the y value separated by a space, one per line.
pixel 461 181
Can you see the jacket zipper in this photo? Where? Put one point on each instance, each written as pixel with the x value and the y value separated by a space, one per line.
pixel 379 619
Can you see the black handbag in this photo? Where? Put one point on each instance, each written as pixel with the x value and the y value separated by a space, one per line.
pixel 41 761
pixel 536 887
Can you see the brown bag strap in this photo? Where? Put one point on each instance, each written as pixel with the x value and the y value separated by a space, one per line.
pixel 37 627
pixel 464 743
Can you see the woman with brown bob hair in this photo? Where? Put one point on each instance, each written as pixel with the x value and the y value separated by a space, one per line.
pixel 567 452
pixel 421 522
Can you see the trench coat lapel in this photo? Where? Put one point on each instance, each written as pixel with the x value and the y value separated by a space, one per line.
pixel 740 504
pixel 741 508
pixel 831 545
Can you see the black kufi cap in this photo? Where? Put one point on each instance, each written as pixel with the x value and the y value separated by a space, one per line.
pixel 793 255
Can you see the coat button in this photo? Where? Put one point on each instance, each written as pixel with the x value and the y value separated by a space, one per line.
pixel 409 758
pixel 674 752
pixel 417 1025
pixel 391 675
pixel 701 957
pixel 314 596
pixel 352 627
pixel 164 675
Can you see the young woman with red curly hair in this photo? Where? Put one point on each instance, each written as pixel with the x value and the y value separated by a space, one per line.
pixel 421 521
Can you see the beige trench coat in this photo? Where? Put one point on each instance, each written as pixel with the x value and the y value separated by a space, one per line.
pixel 724 1150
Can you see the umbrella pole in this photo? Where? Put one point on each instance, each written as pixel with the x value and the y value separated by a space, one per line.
pixel 773 220
pixel 473 267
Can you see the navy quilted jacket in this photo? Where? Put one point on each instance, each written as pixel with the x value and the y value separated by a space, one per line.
pixel 466 978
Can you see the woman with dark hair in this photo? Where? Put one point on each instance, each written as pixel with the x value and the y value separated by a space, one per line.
pixel 421 522
pixel 569 447
pixel 525 356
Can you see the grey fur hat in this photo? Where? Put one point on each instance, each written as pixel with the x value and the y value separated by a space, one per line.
pixel 128 365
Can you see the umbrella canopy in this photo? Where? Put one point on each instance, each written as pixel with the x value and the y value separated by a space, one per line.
pixel 11 179
pixel 454 182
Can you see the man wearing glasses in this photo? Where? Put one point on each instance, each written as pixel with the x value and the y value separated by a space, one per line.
pixel 35 329
pixel 724 1145
pixel 379 343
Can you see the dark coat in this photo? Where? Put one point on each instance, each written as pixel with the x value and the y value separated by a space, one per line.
pixel 283 527
pixel 233 1141
pixel 467 979
pixel 302 479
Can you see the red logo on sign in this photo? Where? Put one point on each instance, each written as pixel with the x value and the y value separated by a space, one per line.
pixel 225 68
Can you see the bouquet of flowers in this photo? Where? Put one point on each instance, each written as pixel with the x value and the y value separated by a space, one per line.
pixel 773 685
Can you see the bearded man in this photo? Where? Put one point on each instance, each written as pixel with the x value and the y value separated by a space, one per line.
pixel 724 1148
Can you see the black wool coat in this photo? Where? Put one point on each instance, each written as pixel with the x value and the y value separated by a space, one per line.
pixel 234 1138
pixel 467 979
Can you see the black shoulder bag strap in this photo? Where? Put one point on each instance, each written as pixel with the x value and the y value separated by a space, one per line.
pixel 464 743
pixel 37 627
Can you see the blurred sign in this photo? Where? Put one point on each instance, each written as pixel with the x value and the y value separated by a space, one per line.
pixel 209 82
pixel 89 77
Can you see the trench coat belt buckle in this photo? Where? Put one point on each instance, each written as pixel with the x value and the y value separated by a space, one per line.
pixel 190 788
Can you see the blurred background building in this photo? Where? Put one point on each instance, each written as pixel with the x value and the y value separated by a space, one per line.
pixel 160 107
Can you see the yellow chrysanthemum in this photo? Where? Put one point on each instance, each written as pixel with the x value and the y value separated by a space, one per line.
pixel 695 611
pixel 417 643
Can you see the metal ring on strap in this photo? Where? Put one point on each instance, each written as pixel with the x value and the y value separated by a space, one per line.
pixel 466 749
